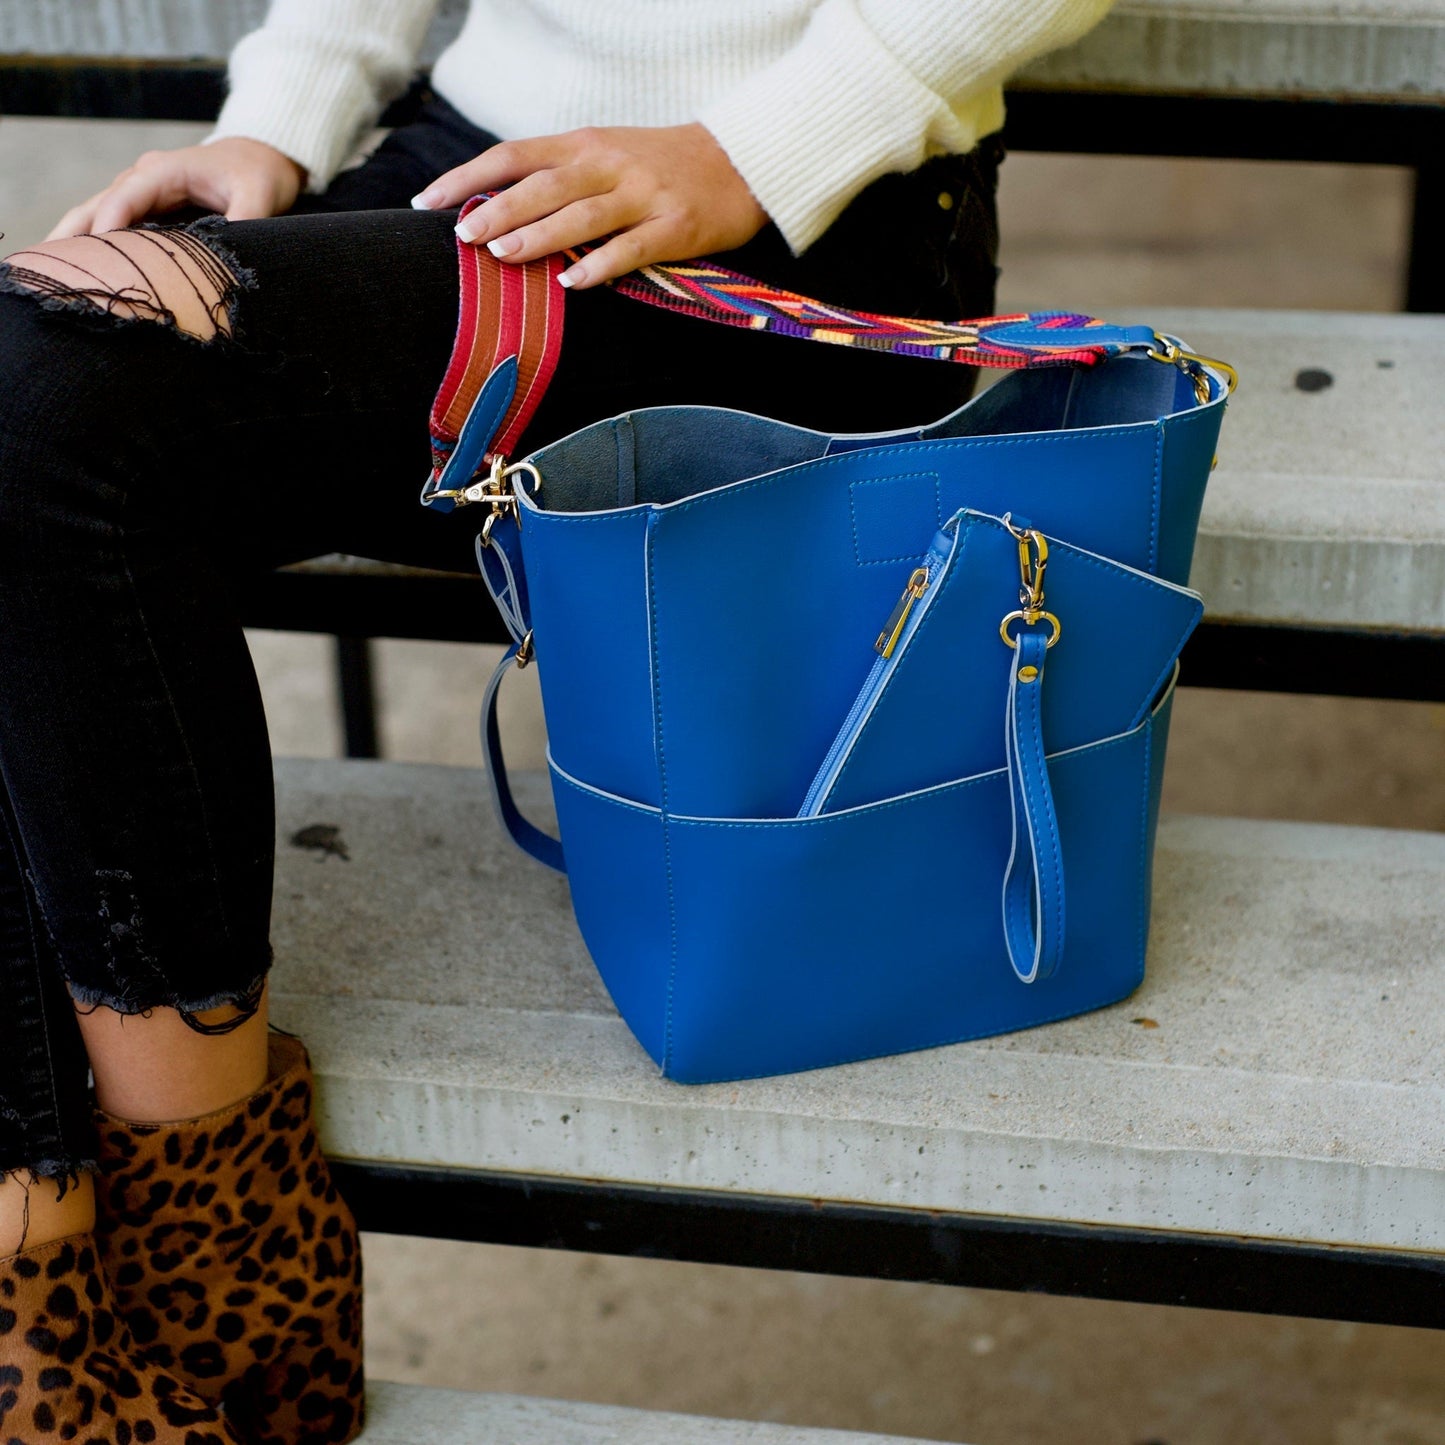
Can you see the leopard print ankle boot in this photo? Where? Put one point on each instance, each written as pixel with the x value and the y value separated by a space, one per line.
pixel 69 1369
pixel 236 1262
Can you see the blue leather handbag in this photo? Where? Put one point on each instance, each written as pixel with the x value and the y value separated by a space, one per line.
pixel 856 741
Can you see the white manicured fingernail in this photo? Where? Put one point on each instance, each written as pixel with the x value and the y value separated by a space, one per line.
pixel 468 230
pixel 504 246
pixel 571 276
pixel 424 200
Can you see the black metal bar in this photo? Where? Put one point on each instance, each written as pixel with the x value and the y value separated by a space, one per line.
pixel 1425 280
pixel 357 689
pixel 1373 132
pixel 104 89
pixel 1332 661
pixel 1379 131
pixel 819 1237
pixel 433 606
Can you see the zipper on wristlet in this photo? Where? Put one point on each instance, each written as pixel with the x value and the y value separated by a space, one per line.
pixel 898 618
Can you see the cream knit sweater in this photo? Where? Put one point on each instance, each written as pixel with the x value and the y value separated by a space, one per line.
pixel 811 99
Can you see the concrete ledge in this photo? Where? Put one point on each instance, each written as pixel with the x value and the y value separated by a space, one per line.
pixel 1328 506
pixel 413 1415
pixel 1361 49
pixel 1293 1089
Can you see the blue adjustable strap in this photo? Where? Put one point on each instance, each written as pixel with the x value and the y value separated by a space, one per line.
pixel 527 836
pixel 1033 885
pixel 500 558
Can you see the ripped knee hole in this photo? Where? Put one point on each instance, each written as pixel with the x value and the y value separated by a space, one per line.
pixel 168 275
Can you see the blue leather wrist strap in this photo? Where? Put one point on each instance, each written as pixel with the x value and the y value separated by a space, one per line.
pixel 1033 886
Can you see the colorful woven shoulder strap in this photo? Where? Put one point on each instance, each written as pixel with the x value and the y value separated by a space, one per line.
pixel 515 310
pixel 1024 339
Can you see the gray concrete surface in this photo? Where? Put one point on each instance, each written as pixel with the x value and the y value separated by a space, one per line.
pixel 960 1365
pixel 1291 1084
pixel 407 1415
pixel 1327 506
pixel 1356 49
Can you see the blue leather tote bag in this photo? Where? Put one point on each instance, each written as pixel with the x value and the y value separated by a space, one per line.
pixel 856 741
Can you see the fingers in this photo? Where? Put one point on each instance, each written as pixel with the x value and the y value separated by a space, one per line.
pixel 137 195
pixel 76 221
pixel 245 179
pixel 500 166
pixel 500 222
pixel 629 251
pixel 647 193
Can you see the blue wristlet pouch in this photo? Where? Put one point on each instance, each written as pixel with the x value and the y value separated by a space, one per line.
pixel 1115 635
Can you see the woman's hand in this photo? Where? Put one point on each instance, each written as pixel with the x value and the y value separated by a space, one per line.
pixel 662 193
pixel 245 179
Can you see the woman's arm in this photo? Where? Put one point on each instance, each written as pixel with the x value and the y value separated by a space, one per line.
pixel 874 86
pixel 302 89
pixel 869 86
pixel 318 73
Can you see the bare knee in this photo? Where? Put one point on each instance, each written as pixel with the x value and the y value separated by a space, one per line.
pixel 167 275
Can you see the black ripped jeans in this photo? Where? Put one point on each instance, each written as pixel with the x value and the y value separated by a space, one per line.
pixel 144 476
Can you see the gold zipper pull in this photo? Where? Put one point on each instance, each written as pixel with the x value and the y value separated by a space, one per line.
pixel 893 628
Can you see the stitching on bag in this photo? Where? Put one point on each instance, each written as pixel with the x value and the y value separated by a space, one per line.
pixel 994 776
pixel 959 444
pixel 630 516
pixel 1146 882
pixel 1106 435
pixel 657 732
pixel 939 790
pixel 1155 498
pixel 858 556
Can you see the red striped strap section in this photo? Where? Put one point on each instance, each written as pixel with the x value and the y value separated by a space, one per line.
pixel 503 310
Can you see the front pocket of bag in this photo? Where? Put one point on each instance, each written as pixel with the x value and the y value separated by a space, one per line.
pixel 749 947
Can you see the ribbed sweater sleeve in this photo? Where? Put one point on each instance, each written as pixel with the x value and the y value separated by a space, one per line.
pixel 317 75
pixel 872 86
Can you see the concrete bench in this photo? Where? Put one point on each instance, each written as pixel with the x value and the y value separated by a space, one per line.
pixel 1261 1126
pixel 404 1415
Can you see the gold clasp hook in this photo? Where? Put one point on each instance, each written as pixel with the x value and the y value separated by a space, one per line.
pixel 1192 365
pixel 502 496
pixel 1033 558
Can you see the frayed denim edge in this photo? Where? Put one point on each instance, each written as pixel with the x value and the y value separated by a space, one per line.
pixel 203 228
pixel 243 278
pixel 246 999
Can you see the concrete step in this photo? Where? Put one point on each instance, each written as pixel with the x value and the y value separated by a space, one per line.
pixel 1327 508
pixel 407 1414
pixel 1281 1073
pixel 1362 48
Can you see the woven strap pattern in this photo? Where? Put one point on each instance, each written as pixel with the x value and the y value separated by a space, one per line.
pixel 511 309
pixel 703 288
